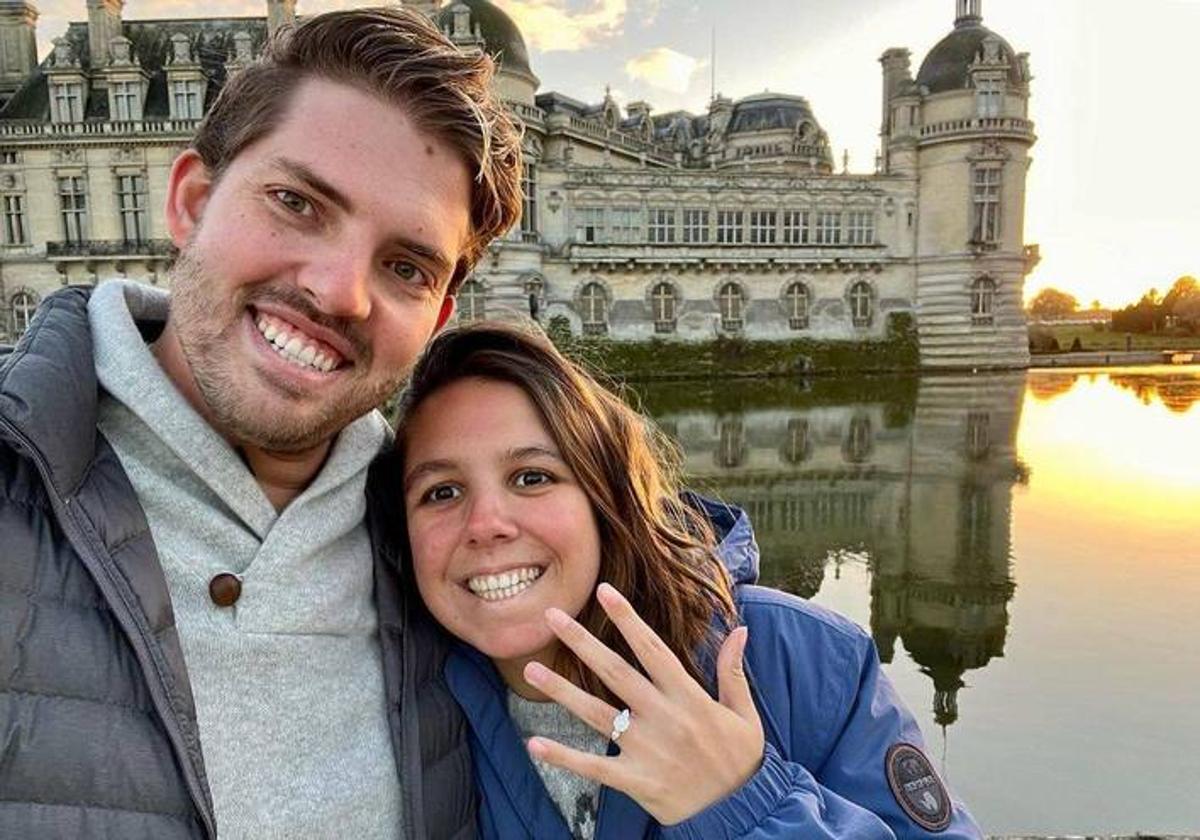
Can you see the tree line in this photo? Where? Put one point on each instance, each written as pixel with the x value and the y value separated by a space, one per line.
pixel 1178 310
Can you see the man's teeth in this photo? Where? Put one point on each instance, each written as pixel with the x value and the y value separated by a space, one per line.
pixel 504 585
pixel 293 347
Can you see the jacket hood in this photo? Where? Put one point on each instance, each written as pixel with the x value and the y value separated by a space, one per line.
pixel 736 545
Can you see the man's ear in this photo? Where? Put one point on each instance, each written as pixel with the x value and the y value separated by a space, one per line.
pixel 188 188
pixel 447 310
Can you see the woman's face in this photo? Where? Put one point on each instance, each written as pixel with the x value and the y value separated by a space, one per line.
pixel 499 528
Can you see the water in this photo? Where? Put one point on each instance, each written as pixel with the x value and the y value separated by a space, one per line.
pixel 1023 548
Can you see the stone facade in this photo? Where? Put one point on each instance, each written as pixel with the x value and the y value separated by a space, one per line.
pixel 638 225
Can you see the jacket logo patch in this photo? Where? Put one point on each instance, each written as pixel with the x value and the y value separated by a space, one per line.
pixel 917 788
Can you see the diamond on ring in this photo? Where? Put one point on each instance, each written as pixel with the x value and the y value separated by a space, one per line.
pixel 619 725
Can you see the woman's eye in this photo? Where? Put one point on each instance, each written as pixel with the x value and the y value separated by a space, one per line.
pixel 441 493
pixel 292 201
pixel 532 478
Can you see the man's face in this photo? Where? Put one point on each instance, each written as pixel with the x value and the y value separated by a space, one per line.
pixel 314 270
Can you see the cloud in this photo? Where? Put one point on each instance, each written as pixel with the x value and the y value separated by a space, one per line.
pixel 664 68
pixel 549 26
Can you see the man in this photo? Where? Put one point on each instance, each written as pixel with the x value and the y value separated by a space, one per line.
pixel 186 483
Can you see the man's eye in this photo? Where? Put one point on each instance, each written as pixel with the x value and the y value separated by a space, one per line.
pixel 296 203
pixel 441 493
pixel 406 271
pixel 532 478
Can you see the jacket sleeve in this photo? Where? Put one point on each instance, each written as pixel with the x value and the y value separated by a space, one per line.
pixel 832 719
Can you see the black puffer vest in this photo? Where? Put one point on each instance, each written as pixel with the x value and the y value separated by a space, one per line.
pixel 98 734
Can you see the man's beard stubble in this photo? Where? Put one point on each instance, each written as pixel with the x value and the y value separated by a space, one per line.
pixel 207 329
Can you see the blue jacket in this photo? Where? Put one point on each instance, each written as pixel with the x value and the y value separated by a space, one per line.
pixel 831 717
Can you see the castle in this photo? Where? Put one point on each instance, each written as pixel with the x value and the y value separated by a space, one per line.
pixel 637 225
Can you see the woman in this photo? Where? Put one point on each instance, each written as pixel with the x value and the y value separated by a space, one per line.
pixel 536 504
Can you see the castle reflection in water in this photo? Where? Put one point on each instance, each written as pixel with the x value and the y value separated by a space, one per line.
pixel 914 476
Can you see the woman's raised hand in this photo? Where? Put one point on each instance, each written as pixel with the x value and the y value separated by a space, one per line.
pixel 682 751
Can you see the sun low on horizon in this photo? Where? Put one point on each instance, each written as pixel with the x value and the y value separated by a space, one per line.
pixel 1112 186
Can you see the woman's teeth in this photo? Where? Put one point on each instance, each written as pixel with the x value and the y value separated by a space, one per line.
pixel 292 346
pixel 504 585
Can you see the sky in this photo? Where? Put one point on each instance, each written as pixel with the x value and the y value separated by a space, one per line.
pixel 1113 194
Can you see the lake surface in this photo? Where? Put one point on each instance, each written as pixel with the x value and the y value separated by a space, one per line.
pixel 1025 550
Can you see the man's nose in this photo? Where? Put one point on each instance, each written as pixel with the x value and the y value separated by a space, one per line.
pixel 339 281
pixel 490 519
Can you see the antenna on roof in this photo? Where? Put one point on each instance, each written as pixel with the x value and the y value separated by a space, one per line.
pixel 712 86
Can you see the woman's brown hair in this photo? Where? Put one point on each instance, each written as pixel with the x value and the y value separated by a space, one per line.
pixel 657 550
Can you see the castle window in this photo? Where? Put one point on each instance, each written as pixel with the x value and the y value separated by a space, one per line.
pixel 125 96
pixel 67 102
pixel 695 226
pixel 731 443
pixel 589 224
pixel 664 305
pixel 529 220
pixel 472 301
pixel 187 97
pixel 795 227
pixel 861 304
pixel 762 227
pixel 626 224
pixel 131 202
pixel 983 301
pixel 856 449
pixel 985 224
pixel 860 228
pixel 9 156
pixel 989 97
pixel 72 202
pixel 14 220
pixel 21 308
pixel 732 302
pixel 661 227
pixel 829 228
pixel 796 301
pixel 796 446
pixel 594 304
pixel 729 227
pixel 979 439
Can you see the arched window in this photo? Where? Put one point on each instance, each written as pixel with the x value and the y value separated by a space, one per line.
pixel 594 305
pixel 861 304
pixel 732 302
pixel 471 301
pixel 858 444
pixel 795 299
pixel 983 301
pixel 731 443
pixel 22 306
pixel 796 445
pixel 664 305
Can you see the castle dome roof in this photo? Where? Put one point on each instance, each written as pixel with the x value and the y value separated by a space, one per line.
pixel 947 67
pixel 501 36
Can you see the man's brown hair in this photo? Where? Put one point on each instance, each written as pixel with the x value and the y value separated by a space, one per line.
pixel 657 550
pixel 399 56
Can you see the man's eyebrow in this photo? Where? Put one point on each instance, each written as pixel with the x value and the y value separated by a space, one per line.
pixel 313 181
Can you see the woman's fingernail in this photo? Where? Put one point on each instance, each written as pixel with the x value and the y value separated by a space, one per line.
pixel 557 618
pixel 536 748
pixel 535 672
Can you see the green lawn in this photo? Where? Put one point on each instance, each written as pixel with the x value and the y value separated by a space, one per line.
pixel 1092 339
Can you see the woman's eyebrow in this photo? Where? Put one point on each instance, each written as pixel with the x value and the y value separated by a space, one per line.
pixel 520 453
pixel 426 468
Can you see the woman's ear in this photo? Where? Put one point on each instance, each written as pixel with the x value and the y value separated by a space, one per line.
pixel 188 188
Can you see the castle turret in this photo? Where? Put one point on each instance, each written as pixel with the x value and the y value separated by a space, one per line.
pixel 972 137
pixel 104 24
pixel 18 44
pixel 280 13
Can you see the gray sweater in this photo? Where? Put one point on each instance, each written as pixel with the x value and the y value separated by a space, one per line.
pixel 287 682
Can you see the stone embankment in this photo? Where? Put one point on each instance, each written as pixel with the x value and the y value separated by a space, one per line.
pixel 1096 837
